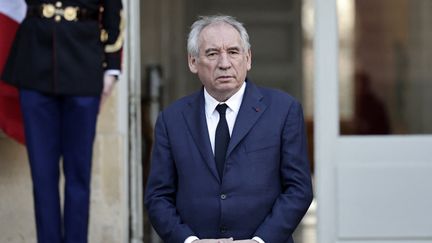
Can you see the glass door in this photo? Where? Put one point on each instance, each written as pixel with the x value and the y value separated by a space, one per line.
pixel 373 123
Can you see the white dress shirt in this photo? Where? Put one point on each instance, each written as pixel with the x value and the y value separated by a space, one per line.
pixel 212 115
pixel 212 118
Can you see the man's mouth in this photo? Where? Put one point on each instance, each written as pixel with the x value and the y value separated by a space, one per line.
pixel 225 77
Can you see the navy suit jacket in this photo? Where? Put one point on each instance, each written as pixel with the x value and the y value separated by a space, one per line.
pixel 266 186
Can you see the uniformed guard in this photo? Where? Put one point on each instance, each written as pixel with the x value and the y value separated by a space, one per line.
pixel 64 61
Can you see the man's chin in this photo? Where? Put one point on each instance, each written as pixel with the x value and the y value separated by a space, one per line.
pixel 227 87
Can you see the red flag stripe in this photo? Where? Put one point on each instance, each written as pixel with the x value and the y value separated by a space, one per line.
pixel 10 114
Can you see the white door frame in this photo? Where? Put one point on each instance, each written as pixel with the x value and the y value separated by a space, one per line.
pixel 325 114
pixel 131 111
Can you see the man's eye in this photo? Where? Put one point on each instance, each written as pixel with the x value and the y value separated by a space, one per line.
pixel 234 52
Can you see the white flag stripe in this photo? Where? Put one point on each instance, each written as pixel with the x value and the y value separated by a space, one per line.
pixel 14 9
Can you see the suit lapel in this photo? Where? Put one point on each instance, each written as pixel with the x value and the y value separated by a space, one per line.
pixel 250 110
pixel 194 115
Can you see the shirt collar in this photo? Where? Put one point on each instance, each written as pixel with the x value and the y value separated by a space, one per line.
pixel 233 102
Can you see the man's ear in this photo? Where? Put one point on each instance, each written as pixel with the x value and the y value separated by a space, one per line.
pixel 192 62
pixel 249 59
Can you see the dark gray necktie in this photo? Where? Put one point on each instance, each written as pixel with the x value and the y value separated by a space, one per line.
pixel 221 139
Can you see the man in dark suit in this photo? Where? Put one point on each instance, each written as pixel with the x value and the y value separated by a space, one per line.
pixel 229 162
pixel 63 64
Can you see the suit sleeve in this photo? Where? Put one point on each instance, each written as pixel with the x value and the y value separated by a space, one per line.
pixel 112 33
pixel 290 207
pixel 161 190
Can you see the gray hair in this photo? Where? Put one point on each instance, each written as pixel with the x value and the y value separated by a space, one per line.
pixel 204 21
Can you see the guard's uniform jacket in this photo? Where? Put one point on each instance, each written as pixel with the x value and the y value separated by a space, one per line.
pixel 63 47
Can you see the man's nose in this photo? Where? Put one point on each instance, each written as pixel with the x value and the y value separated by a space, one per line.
pixel 224 61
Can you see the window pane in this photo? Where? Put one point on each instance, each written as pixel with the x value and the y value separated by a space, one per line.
pixel 385 66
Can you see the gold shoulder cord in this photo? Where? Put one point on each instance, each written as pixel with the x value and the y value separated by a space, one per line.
pixel 116 46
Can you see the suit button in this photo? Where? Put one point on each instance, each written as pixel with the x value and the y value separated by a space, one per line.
pixel 223 229
pixel 223 196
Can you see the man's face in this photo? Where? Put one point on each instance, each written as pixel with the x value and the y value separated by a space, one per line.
pixel 222 63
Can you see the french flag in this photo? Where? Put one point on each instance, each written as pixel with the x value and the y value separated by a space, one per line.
pixel 12 12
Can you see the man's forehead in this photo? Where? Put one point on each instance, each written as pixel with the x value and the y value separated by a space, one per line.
pixel 219 34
